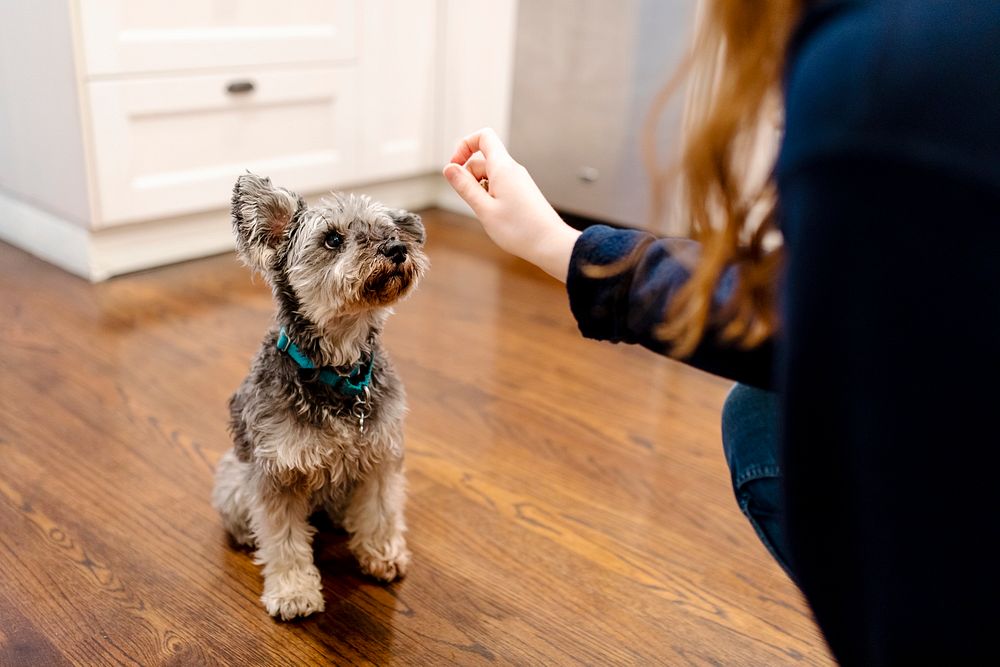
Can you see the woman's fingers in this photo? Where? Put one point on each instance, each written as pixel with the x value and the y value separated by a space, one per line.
pixel 465 179
pixel 468 188
pixel 477 167
pixel 484 141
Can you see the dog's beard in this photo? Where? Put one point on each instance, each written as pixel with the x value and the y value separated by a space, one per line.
pixel 387 284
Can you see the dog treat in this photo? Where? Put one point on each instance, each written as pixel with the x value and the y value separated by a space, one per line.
pixel 318 421
pixel 485 182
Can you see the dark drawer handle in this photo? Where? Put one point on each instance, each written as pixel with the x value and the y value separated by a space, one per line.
pixel 238 87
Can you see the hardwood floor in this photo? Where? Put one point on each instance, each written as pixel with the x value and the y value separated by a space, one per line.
pixel 569 501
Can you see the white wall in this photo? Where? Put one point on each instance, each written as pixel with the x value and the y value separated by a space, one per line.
pixel 41 145
pixel 477 67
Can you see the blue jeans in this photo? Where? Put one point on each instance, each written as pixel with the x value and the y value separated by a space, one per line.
pixel 750 440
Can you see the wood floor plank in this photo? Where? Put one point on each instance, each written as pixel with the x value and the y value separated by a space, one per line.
pixel 569 502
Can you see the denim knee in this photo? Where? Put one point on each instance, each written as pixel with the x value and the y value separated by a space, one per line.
pixel 750 441
pixel 750 433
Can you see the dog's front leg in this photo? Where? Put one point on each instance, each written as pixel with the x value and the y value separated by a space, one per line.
pixel 280 523
pixel 374 518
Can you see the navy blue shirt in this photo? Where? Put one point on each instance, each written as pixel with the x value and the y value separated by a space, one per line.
pixel 886 361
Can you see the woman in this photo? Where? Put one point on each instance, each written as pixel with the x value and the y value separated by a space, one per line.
pixel 877 324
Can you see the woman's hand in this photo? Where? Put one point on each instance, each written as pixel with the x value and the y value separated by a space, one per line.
pixel 513 211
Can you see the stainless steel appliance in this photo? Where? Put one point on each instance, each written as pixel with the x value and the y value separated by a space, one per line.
pixel 585 75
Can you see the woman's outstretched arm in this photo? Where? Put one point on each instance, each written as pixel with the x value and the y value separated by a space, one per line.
pixel 620 282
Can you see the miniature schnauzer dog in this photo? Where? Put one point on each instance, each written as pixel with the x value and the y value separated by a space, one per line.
pixel 318 422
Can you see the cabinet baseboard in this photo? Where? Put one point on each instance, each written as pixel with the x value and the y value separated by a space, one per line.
pixel 45 235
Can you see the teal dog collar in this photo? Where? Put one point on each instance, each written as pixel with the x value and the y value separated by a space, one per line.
pixel 353 383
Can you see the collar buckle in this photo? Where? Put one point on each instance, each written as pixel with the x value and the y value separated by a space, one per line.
pixel 284 342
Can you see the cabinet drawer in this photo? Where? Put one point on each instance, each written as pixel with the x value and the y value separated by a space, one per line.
pixel 124 36
pixel 170 146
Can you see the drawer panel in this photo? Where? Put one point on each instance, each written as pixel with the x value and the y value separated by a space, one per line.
pixel 170 146
pixel 124 36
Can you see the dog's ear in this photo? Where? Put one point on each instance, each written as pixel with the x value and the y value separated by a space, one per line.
pixel 262 216
pixel 409 222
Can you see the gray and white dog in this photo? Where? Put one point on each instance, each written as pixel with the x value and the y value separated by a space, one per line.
pixel 318 421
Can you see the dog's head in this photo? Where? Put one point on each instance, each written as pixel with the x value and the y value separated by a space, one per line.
pixel 348 254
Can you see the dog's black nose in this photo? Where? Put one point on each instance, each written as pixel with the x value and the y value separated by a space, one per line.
pixel 395 250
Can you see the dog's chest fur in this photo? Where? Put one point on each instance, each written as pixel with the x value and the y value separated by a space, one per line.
pixel 302 431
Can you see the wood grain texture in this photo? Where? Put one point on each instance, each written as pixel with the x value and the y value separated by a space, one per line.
pixel 569 501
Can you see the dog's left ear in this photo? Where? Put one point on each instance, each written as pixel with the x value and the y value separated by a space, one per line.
pixel 409 222
pixel 262 217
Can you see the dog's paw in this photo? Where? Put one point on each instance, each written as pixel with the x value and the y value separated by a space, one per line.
pixel 386 565
pixel 242 537
pixel 292 605
pixel 292 594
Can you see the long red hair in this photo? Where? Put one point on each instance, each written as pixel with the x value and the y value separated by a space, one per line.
pixel 741 47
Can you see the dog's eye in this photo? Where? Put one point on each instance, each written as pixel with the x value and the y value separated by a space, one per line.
pixel 333 240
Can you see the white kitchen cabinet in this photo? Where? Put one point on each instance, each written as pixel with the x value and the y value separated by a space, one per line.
pixel 126 36
pixel 123 124
pixel 172 146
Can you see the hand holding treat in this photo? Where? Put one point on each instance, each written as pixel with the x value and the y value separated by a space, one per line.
pixel 509 205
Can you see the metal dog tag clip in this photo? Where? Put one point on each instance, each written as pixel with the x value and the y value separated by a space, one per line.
pixel 362 408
